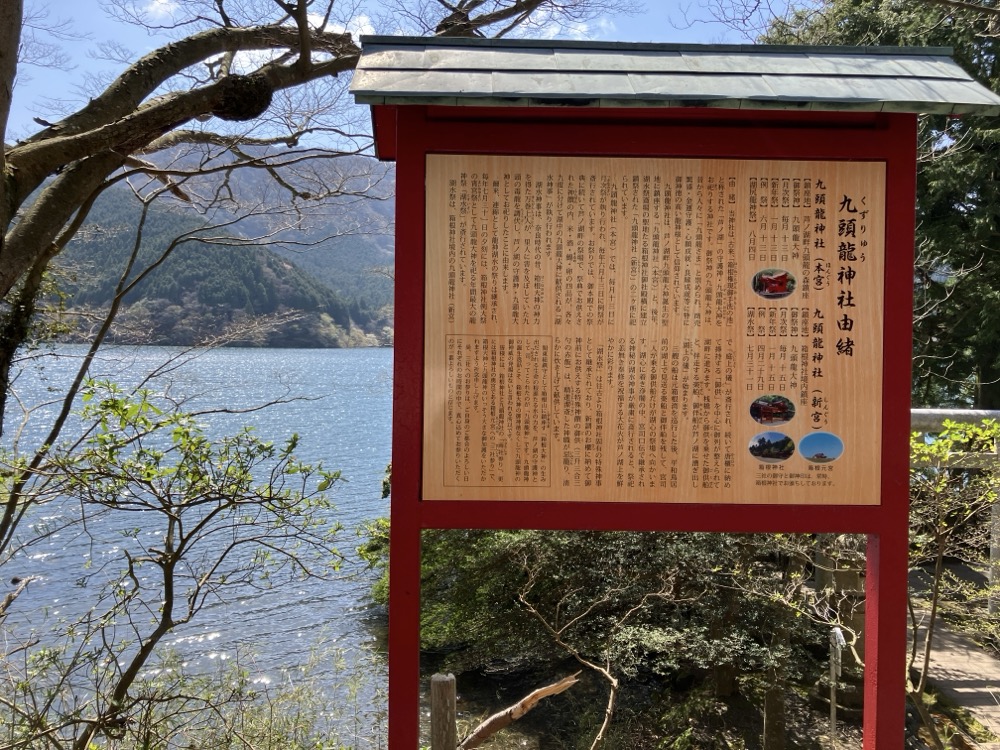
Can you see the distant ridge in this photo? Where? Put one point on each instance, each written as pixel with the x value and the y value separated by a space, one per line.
pixel 258 295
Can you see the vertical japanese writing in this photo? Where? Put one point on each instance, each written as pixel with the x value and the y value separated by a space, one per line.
pixel 664 330
pixel 498 416
pixel 851 231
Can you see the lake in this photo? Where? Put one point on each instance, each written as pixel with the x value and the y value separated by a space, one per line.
pixel 339 401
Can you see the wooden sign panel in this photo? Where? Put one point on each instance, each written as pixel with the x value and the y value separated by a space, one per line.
pixel 653 330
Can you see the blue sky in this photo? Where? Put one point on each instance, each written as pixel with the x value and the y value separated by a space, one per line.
pixel 821 442
pixel 671 22
pixel 39 90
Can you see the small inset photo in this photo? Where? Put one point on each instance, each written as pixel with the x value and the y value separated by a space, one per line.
pixel 773 283
pixel 821 447
pixel 772 447
pixel 772 409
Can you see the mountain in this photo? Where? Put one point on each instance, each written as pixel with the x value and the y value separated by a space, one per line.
pixel 214 284
pixel 347 241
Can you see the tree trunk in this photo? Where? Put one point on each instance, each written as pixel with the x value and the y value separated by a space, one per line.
pixel 724 675
pixel 11 12
pixel 774 712
pixel 988 394
pixel 774 696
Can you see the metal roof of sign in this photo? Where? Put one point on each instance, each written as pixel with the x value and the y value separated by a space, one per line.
pixel 492 72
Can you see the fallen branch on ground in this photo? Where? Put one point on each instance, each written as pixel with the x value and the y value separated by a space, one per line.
pixel 512 713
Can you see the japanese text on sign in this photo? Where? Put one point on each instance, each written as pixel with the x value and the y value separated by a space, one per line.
pixel 670 330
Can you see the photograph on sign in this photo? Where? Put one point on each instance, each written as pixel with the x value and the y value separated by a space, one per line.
pixel 653 330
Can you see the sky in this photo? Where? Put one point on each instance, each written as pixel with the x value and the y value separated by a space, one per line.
pixel 821 442
pixel 684 21
pixel 670 21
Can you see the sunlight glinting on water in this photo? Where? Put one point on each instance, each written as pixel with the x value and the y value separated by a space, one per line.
pixel 339 404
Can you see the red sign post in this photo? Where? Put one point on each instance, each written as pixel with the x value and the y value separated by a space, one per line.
pixel 649 319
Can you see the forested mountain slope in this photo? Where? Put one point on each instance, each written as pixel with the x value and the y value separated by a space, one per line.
pixel 211 286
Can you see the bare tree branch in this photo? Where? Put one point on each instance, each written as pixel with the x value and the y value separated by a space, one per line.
pixel 509 715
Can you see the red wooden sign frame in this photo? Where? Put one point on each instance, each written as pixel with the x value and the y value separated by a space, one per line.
pixel 408 133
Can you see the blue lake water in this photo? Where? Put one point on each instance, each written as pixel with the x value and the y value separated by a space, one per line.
pixel 338 401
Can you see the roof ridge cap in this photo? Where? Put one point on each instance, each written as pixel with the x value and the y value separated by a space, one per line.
pixel 436 41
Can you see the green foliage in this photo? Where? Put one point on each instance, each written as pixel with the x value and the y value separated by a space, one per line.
pixel 957 277
pixel 663 609
pixel 387 482
pixel 673 614
pixel 950 508
pixel 947 504
pixel 139 456
pixel 691 720
pixel 199 519
pixel 374 550
pixel 313 707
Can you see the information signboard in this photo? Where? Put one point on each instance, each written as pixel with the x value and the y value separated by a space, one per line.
pixel 653 330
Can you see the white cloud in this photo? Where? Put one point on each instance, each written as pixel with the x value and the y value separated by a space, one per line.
pixel 358 26
pixel 161 9
pixel 547 25
pixel 578 30
pixel 601 28
pixel 605 28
